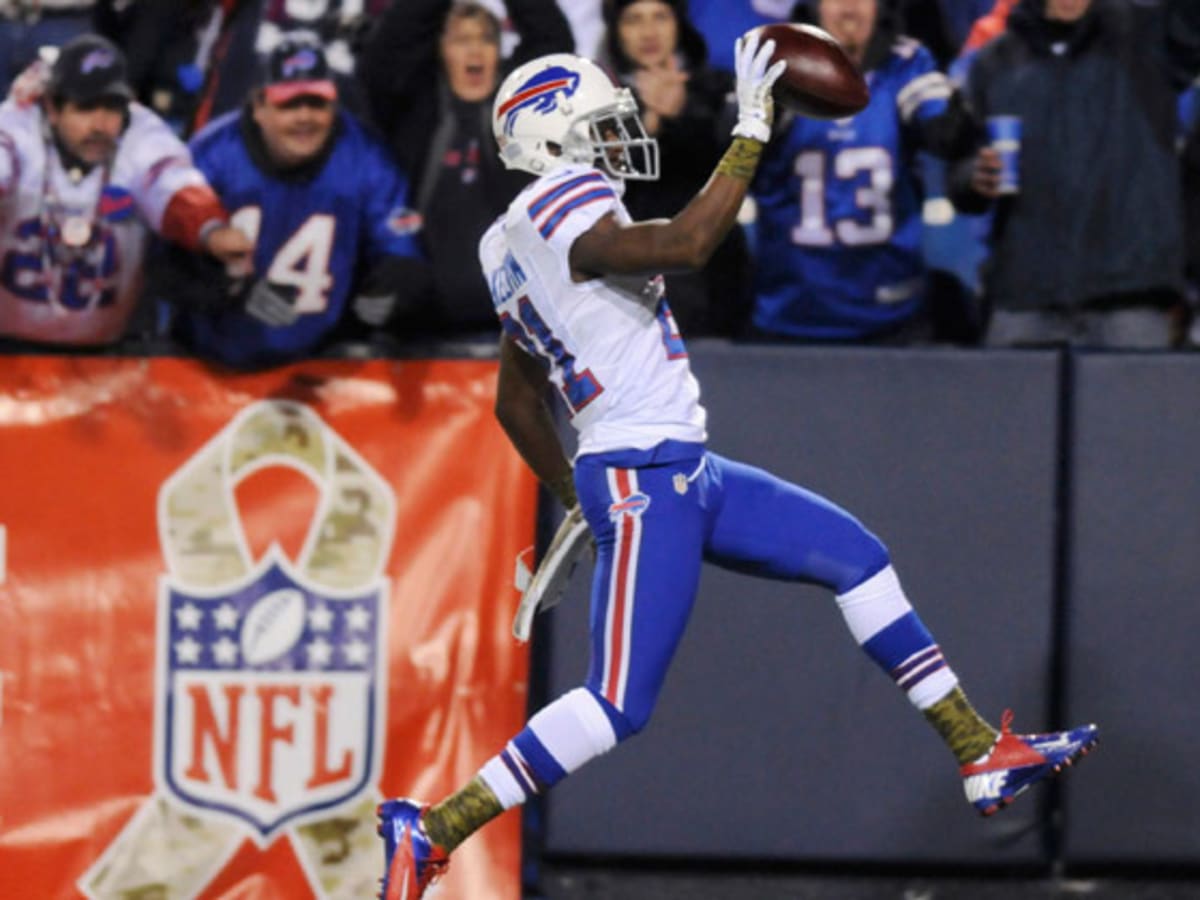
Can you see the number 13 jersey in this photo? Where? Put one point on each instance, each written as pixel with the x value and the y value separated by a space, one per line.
pixel 610 343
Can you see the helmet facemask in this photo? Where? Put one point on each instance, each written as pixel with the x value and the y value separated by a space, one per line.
pixel 614 140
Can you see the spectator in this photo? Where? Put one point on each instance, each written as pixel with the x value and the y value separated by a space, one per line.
pixel 191 60
pixel 341 26
pixel 839 202
pixel 27 25
pixel 658 54
pixel 440 128
pixel 930 23
pixel 723 21
pixel 1090 250
pixel 317 196
pixel 84 173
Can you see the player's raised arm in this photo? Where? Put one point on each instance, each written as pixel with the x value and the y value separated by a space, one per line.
pixel 689 239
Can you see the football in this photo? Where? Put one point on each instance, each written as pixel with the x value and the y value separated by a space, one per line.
pixel 272 626
pixel 820 81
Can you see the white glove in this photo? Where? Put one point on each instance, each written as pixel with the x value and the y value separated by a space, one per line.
pixel 374 311
pixel 269 306
pixel 549 582
pixel 754 81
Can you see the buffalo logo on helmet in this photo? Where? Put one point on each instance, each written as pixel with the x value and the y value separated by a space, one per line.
pixel 539 94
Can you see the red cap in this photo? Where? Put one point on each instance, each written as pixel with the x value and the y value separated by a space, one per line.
pixel 283 91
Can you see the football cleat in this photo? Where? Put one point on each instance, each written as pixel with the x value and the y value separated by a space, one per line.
pixel 1017 761
pixel 412 862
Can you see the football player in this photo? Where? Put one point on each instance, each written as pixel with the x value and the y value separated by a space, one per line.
pixel 575 284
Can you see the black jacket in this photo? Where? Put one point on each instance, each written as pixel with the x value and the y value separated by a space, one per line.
pixel 161 39
pixel 407 91
pixel 427 127
pixel 1099 213
pixel 715 300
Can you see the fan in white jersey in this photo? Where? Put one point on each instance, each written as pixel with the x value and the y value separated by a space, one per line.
pixel 575 285
pixel 85 173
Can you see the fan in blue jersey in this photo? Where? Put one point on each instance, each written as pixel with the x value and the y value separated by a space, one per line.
pixel 326 209
pixel 577 287
pixel 840 202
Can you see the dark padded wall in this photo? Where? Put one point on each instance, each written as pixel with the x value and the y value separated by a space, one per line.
pixel 775 736
pixel 1134 609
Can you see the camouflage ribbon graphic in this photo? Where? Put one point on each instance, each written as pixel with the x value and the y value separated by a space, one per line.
pixel 335 595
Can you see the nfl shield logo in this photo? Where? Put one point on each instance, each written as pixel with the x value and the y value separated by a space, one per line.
pixel 271 697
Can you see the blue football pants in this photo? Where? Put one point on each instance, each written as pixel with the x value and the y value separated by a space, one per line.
pixel 657 515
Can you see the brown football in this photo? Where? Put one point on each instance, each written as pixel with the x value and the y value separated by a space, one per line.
pixel 820 81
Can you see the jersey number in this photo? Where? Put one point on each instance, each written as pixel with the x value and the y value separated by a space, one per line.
pixel 875 197
pixel 578 388
pixel 303 260
pixel 86 280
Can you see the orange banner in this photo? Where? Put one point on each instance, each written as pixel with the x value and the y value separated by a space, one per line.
pixel 238 610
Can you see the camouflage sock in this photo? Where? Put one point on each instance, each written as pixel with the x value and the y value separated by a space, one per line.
pixel 462 814
pixel 965 732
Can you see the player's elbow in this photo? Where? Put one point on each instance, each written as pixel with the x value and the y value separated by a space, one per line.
pixel 689 252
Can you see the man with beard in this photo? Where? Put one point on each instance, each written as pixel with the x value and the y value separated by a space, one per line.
pixel 84 174
pixel 327 212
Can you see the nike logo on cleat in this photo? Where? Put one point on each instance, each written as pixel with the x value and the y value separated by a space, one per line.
pixel 984 786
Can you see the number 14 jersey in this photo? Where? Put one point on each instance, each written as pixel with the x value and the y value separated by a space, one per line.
pixel 610 344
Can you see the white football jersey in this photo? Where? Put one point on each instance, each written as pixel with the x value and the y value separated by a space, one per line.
pixel 611 343
pixel 50 292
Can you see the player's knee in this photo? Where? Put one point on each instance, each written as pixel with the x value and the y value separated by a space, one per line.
pixel 870 557
pixel 625 722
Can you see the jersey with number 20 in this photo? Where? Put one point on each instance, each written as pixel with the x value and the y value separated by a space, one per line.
pixel 610 343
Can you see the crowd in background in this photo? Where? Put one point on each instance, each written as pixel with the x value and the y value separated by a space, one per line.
pixel 330 166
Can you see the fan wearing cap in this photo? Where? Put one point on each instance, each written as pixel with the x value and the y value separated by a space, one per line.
pixel 329 214
pixel 85 174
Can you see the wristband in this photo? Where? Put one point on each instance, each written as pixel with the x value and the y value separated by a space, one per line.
pixel 741 159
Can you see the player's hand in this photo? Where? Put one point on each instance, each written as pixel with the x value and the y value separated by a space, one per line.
pixel 376 310
pixel 756 110
pixel 985 173
pixel 269 306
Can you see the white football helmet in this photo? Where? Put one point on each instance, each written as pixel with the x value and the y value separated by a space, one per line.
pixel 562 109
